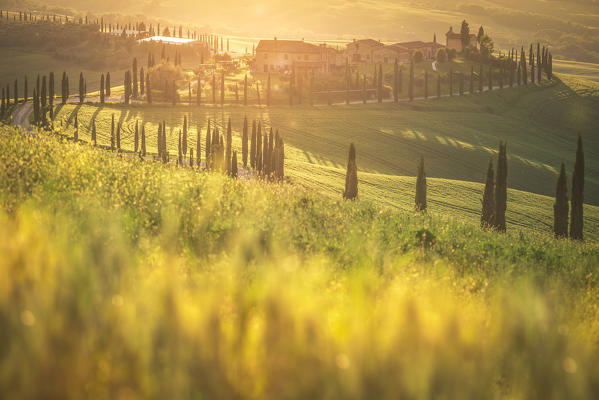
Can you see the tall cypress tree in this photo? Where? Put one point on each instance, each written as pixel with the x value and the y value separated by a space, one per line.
pixel 94 132
pixel 148 89
pixel 81 88
pixel 127 85
pixel 532 67
pixel 51 88
pixel 229 146
pixel 501 188
pixel 351 176
pixel 102 89
pixel 118 137
pixel 112 137
pixel 26 90
pixel 245 90
pixel 136 137
pixel 208 145
pixel 253 146
pixel 143 140
pixel 16 91
pixel 487 218
pixel 234 165
pixel 184 138
pixel 420 198
pixel 108 84
pixel 44 93
pixel 265 154
pixel 577 200
pixel 259 148
pixel 135 91
pixel 142 80
pixel 560 207
pixel 244 143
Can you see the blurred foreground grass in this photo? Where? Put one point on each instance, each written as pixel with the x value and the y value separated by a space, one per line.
pixel 124 280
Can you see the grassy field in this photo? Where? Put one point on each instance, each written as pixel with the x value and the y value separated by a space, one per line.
pixel 457 136
pixel 127 279
pixel 582 70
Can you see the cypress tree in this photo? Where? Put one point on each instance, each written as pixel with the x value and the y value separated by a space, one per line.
pixel 265 154
pixel 351 176
pixel 269 158
pixel 501 188
pixel 94 132
pixel 487 218
pixel 577 199
pixel 519 75
pixel 199 92
pixel 108 84
pixel 179 151
pixel 425 84
pixel 244 143
pixel 16 91
pixel 148 89
pixel 76 133
pixel 208 144
pixel 191 158
pixel 136 137
pixel 253 146
pixel 228 149
pixel 44 93
pixel 532 67
pixel 560 207
pixel 411 85
pixel 142 81
pixel 102 89
pixel 524 69
pixel 539 69
pixel 213 88
pixel 380 84
pixel 135 91
pixel 26 90
pixel 234 165
pixel 420 198
pixel 81 88
pixel 259 148
pixel 396 83
pixel 143 140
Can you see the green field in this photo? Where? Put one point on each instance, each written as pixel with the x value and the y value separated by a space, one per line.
pixel 130 279
pixel 457 136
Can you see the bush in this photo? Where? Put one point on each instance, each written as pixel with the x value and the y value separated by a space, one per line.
pixel 441 55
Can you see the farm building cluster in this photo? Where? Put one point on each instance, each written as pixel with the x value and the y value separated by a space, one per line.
pixel 283 55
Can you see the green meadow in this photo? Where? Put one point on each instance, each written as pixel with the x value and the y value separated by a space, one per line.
pixel 457 137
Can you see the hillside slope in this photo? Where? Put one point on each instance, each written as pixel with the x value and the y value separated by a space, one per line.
pixel 128 278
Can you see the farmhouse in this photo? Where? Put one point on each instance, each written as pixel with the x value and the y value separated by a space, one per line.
pixel 360 51
pixel 388 54
pixel 428 49
pixel 454 40
pixel 285 55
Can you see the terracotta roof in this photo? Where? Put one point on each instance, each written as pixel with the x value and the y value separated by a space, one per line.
pixel 287 46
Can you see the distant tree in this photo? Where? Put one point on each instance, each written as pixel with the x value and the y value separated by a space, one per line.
pixel 127 85
pixel 184 138
pixel 501 188
pixel 118 137
pixel 26 90
pixel 51 88
pixel 253 146
pixel 16 91
pixel 148 89
pixel 577 199
pixel 425 84
pixel 234 165
pixel 102 89
pixel 108 84
pixel 143 140
pixel 524 68
pixel 229 147
pixel 487 218
pixel 519 75
pixel 418 56
pixel 44 93
pixel 486 47
pixel 481 34
pixel 134 92
pixel 465 34
pixel 265 154
pixel 351 176
pixel 81 88
pixel 550 66
pixel 208 145
pixel 142 80
pixel 259 148
pixel 94 132
pixel 244 143
pixel 441 55
pixel 420 198
pixel 561 207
